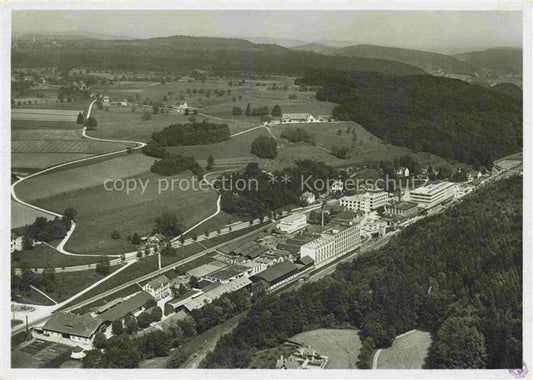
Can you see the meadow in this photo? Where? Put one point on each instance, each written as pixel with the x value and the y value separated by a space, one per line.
pixel 340 346
pixel 44 256
pixel 406 352
pixel 76 178
pixel 101 211
pixel 45 114
pixel 22 215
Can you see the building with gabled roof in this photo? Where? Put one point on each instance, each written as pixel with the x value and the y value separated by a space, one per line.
pixel 71 329
pixel 276 275
pixel 158 287
pixel 131 305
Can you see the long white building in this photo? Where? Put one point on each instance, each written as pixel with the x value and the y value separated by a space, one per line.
pixel 365 202
pixel 292 223
pixel 433 194
pixel 344 236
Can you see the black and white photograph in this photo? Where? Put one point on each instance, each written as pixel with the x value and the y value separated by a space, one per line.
pixel 267 188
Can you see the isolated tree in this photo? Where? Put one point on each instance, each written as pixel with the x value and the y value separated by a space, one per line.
pixel 144 319
pixel 236 111
pixel 169 225
pixel 70 213
pixel 27 243
pixel 156 314
pixel 102 267
pixel 91 123
pixel 100 340
pixel 135 239
pixel 80 119
pixel 115 235
pixel 193 282
pixel 117 327
pixel 210 163
pixel 265 147
pixel 248 111
pixel 146 116
pixel 276 111
pixel 131 324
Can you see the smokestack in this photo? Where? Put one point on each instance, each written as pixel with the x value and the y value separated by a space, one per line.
pixel 322 218
pixel 159 259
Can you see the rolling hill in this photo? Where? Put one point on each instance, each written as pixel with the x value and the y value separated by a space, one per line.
pixel 317 48
pixel 497 60
pixel 427 61
pixel 446 117
pixel 184 53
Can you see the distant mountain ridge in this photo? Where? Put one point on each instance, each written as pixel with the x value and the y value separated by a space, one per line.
pixel 186 53
pixel 502 60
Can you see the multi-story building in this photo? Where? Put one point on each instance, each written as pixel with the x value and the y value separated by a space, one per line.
pixel 292 223
pixel 366 202
pixel 158 287
pixel 343 237
pixel 433 194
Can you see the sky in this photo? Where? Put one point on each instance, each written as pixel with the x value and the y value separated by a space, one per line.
pixel 440 31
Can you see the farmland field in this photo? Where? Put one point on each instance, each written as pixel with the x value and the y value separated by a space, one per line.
pixel 44 256
pixel 45 114
pixel 340 346
pixel 43 160
pixel 102 211
pixel 17 125
pixel 406 352
pixel 22 215
pixel 69 180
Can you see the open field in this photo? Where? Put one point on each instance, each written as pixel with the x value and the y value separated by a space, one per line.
pixel 40 354
pixel 22 215
pixel 101 211
pixel 69 180
pixel 17 125
pixel 44 256
pixel 33 297
pixel 45 114
pixel 54 104
pixel 406 352
pixel 340 346
pixel 65 146
pixel 43 160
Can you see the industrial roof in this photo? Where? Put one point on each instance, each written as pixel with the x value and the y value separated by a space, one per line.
pixel 125 307
pixel 108 305
pixel 228 272
pixel 184 297
pixel 432 188
pixel 68 323
pixel 276 271
pixel 208 297
pixel 293 218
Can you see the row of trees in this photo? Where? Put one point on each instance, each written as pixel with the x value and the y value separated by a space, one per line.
pixel 457 275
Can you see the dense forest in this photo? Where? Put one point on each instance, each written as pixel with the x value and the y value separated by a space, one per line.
pixel 192 134
pixel 447 117
pixel 183 54
pixel 457 274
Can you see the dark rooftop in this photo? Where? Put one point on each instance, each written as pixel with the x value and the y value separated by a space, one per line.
pixel 128 306
pixel 275 272
pixel 68 323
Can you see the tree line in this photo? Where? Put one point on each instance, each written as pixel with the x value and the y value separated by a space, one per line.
pixel 457 275
pixel 192 134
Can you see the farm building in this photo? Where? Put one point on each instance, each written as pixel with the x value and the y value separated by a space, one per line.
pixel 158 287
pixel 131 305
pixel 71 329
pixel 297 118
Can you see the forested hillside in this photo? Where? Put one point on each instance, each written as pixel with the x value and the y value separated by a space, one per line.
pixel 457 275
pixel 497 60
pixel 425 60
pixel 182 54
pixel 447 117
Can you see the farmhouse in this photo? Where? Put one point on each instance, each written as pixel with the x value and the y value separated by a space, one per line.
pixel 297 118
pixel 302 358
pixel 71 329
pixel 158 287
